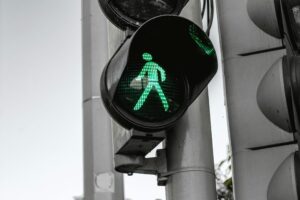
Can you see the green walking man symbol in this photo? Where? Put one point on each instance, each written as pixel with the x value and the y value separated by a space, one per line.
pixel 152 69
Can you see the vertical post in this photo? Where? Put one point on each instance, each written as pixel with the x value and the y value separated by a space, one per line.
pixel 189 144
pixel 101 182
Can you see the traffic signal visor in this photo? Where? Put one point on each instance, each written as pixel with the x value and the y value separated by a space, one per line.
pixel 278 95
pixel 285 181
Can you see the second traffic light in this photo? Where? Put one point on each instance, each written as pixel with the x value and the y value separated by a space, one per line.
pixel 278 91
pixel 132 13
pixel 157 73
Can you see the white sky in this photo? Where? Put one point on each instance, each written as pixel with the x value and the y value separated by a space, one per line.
pixel 41 104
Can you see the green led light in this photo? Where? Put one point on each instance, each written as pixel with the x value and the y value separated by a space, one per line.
pixel 151 69
pixel 207 48
pixel 149 89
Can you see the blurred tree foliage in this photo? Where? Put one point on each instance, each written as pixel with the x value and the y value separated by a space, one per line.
pixel 224 178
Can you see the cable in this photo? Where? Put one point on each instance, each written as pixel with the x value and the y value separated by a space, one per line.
pixel 212 13
pixel 207 13
pixel 210 16
pixel 208 8
pixel 203 8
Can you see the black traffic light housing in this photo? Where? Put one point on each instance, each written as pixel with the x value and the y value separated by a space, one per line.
pixel 132 13
pixel 186 56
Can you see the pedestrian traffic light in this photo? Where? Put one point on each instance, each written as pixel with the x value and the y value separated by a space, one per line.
pixel 279 18
pixel 157 73
pixel 132 13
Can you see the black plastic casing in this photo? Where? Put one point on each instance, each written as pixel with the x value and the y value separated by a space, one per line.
pixel 124 22
pixel 195 77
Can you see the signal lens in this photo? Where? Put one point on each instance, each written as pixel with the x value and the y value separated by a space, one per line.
pixel 148 90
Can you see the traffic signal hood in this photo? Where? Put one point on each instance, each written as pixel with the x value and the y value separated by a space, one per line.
pixel 285 182
pixel 278 18
pixel 157 73
pixel 278 93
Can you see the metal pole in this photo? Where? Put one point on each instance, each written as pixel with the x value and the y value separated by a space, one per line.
pixel 189 145
pixel 101 182
pixel 114 38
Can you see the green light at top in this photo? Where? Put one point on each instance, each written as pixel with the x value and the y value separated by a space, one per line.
pixel 151 69
pixel 208 49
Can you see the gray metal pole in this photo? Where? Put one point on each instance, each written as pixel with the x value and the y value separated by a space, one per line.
pixel 101 182
pixel 189 145
pixel 114 39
